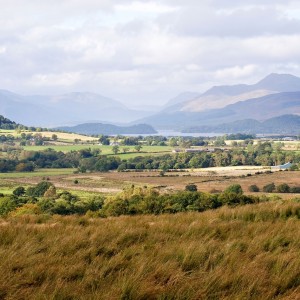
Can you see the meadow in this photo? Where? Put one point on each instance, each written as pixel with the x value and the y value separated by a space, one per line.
pixel 249 252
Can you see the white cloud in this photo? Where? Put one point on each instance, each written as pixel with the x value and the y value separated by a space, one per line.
pixel 144 50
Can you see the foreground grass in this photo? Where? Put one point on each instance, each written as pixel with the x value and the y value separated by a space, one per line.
pixel 249 252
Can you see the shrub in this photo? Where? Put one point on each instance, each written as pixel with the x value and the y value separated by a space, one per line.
pixel 234 188
pixel 19 191
pixel 191 188
pixel 269 188
pixel 283 188
pixel 295 189
pixel 253 188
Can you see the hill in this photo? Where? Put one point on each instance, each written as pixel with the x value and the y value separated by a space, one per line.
pixel 259 109
pixel 286 124
pixel 108 129
pixel 249 252
pixel 49 111
pixel 275 95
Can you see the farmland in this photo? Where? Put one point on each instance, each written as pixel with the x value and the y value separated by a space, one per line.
pixel 60 237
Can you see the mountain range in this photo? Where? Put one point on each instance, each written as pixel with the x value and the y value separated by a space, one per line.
pixel 286 124
pixel 275 95
pixel 72 108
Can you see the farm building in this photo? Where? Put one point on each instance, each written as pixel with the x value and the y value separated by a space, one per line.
pixel 282 167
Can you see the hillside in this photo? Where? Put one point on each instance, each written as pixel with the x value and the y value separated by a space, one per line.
pixel 286 124
pixel 259 109
pixel 275 95
pixel 221 96
pixel 249 252
pixel 108 129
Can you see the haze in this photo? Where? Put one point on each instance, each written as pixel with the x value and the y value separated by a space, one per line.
pixel 144 52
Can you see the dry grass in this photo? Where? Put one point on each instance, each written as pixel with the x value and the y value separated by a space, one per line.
pixel 249 252
pixel 115 181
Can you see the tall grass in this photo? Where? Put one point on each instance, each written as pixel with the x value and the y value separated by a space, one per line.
pixel 249 252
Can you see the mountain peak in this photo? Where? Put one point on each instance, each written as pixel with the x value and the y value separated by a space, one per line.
pixel 280 82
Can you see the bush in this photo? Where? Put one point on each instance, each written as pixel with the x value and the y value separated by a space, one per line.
pixel 253 188
pixel 269 188
pixel 234 188
pixel 191 188
pixel 295 189
pixel 19 191
pixel 283 188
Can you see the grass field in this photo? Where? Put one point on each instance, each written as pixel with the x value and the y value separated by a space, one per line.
pixel 105 149
pixel 207 180
pixel 249 252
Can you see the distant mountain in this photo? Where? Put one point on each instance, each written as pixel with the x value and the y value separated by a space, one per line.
pixel 225 104
pixel 181 98
pixel 48 111
pixel 108 129
pixel 258 109
pixel 286 124
pixel 221 96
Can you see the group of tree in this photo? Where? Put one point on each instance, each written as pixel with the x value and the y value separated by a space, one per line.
pixel 92 159
pixel 43 198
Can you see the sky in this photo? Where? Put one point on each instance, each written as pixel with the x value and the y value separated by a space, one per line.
pixel 144 52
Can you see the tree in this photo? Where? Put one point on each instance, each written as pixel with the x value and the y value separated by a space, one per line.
pixel 125 149
pixel 115 149
pixel 138 148
pixel 54 137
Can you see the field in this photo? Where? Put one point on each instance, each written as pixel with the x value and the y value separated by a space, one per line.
pixel 207 180
pixel 249 252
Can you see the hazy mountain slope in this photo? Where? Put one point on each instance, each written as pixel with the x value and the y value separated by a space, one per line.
pixel 221 96
pixel 99 128
pixel 42 110
pixel 259 109
pixel 286 124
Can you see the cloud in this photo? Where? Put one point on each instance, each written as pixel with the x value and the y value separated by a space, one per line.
pixel 144 51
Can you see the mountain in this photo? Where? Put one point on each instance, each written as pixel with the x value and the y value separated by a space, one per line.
pixel 181 98
pixel 221 96
pixel 258 108
pixel 108 129
pixel 225 104
pixel 40 110
pixel 285 124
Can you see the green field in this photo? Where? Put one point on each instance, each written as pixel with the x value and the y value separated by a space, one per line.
pixel 104 149
pixel 37 173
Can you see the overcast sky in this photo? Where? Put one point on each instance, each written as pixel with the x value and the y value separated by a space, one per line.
pixel 144 52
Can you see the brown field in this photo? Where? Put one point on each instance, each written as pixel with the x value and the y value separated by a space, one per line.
pixel 249 252
pixel 208 180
